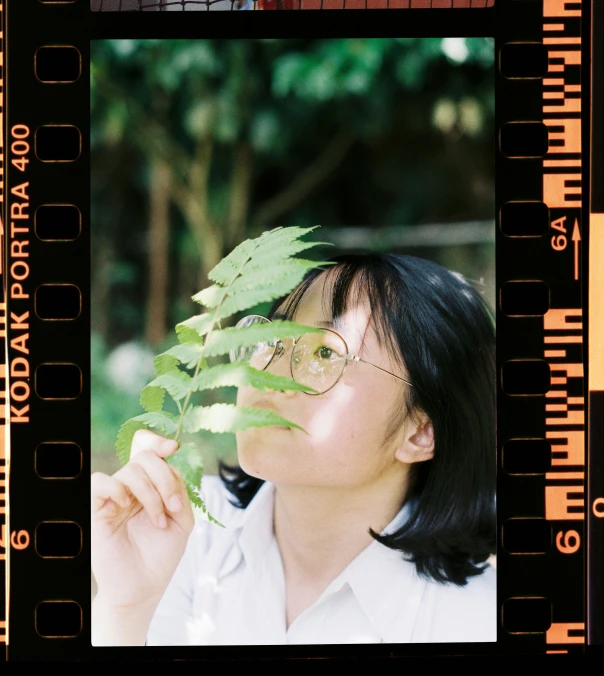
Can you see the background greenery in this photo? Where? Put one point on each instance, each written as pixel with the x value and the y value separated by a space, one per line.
pixel 388 144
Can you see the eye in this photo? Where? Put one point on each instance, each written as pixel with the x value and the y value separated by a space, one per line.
pixel 325 352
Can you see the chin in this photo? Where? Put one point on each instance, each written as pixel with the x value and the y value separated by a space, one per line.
pixel 265 456
pixel 254 452
pixel 255 467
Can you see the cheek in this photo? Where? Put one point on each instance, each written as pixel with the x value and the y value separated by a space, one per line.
pixel 345 426
pixel 345 430
pixel 336 418
pixel 326 424
pixel 243 396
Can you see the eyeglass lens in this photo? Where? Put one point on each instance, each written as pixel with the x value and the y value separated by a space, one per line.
pixel 258 355
pixel 317 361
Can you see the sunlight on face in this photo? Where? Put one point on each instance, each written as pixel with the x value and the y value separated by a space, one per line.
pixel 346 426
pixel 323 424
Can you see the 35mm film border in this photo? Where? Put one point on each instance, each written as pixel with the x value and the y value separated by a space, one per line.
pixel 42 253
pixel 4 441
pixel 595 502
pixel 541 355
pixel 543 347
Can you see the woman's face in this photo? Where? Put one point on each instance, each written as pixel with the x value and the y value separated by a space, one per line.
pixel 346 426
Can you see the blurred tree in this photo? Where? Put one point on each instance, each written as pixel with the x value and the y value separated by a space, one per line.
pixel 158 247
pixel 242 135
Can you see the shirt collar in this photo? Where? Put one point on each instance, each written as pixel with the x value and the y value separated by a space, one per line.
pixel 385 585
pixel 252 529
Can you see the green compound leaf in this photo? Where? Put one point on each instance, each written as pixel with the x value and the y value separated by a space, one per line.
pixel 189 462
pixel 187 354
pixel 201 324
pixel 230 266
pixel 248 298
pixel 164 422
pixel 222 342
pixel 212 296
pixel 177 384
pixel 279 239
pixel 152 398
pixel 258 270
pixel 279 243
pixel 220 418
pixel 164 363
pixel 270 275
pixel 264 257
pixel 124 438
pixel 241 374
pixel 209 517
pixel 187 335
pixel 259 287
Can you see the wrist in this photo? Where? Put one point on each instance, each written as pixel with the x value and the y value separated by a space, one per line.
pixel 114 624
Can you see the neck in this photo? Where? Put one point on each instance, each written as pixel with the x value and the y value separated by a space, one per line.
pixel 321 530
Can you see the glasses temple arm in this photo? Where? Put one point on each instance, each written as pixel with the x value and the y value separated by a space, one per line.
pixel 353 357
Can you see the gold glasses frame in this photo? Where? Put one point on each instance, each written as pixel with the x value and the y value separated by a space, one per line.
pixel 279 348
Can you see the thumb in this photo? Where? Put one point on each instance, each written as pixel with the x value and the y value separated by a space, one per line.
pixel 144 440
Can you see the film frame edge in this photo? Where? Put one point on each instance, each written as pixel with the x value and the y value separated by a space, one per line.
pixel 562 331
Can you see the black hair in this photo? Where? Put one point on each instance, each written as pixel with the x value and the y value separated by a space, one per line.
pixel 436 325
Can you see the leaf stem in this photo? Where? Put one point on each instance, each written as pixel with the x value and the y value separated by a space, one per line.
pixel 205 342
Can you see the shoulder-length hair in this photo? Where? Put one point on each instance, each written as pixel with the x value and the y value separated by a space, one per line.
pixel 438 327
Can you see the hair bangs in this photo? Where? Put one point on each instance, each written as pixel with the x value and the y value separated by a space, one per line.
pixel 353 280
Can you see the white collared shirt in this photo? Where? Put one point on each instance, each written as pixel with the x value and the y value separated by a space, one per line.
pixel 229 589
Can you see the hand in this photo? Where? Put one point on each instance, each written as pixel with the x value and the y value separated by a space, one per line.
pixel 141 521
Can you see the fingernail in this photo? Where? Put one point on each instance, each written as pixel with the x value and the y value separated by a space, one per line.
pixel 162 522
pixel 175 503
pixel 168 444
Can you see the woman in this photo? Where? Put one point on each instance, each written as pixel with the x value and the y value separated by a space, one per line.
pixel 371 525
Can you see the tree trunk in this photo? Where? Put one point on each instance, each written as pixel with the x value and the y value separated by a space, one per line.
pixel 100 289
pixel 241 178
pixel 158 252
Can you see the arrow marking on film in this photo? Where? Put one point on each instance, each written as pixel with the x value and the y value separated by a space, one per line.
pixel 576 239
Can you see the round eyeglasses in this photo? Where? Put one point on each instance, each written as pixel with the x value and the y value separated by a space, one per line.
pixel 317 359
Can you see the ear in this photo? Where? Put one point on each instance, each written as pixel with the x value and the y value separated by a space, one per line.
pixel 418 443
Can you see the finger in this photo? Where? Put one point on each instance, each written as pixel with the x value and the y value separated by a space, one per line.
pixel 104 487
pixel 182 484
pixel 164 479
pixel 144 440
pixel 185 516
pixel 138 482
pixel 180 478
pixel 184 492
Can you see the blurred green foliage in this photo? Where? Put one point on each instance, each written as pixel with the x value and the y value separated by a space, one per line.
pixel 238 136
pixel 111 404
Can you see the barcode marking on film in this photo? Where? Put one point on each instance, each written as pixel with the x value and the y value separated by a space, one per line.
pixel 563 327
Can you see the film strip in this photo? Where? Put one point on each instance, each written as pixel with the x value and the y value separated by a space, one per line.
pixel 544 339
pixel 233 5
pixel 549 244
